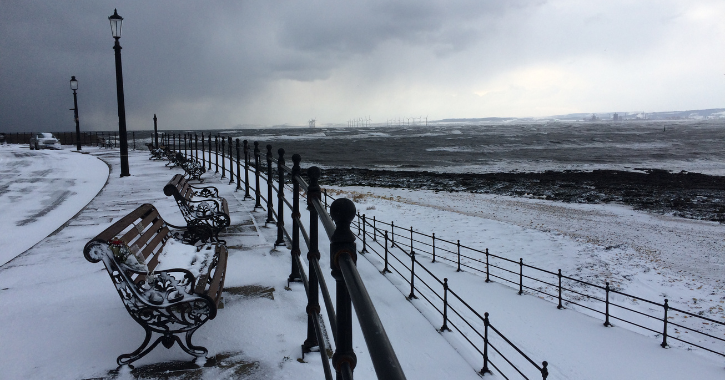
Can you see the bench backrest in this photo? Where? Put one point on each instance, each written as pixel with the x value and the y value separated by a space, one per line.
pixel 142 230
pixel 179 187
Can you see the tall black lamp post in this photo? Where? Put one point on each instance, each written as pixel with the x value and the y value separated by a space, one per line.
pixel 116 22
pixel 74 87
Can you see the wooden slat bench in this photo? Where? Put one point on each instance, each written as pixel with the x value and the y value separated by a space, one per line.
pixel 205 212
pixel 170 301
pixel 156 153
pixel 191 166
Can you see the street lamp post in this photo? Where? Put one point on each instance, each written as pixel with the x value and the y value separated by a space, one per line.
pixel 74 87
pixel 116 22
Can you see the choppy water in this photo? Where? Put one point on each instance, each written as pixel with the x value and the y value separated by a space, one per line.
pixel 677 145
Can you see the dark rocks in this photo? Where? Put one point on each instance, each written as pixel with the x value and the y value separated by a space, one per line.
pixel 683 194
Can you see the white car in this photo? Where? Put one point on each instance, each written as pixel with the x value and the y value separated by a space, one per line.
pixel 44 141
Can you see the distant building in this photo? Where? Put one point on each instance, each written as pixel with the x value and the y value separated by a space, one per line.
pixel 615 117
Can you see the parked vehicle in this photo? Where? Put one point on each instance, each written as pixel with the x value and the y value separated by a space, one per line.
pixel 44 140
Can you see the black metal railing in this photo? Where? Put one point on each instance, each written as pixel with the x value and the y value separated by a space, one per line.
pixel 597 299
pixel 350 289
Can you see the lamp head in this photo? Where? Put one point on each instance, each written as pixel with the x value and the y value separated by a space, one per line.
pixel 116 22
pixel 73 83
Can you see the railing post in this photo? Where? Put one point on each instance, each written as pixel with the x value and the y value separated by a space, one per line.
pixel 412 276
pixel 313 300
pixel 239 169
pixel 386 270
pixel 392 234
pixel 280 199
pixel 325 199
pixel 560 305
pixel 365 244
pixel 295 272
pixel 223 141
pixel 196 147
pixel 270 184
pixel 258 204
pixel 544 370
pixel 521 276
pixel 209 138
pixel 358 224
pixel 434 247
pixel 203 150
pixel 185 155
pixel 174 140
pixel 459 255
pixel 342 243
pixel 375 230
pixel 487 267
pixel 664 331
pixel 231 161
pixel 156 133
pixel 133 136
pixel 606 303
pixel 246 170
pixel 216 152
pixel 486 323
pixel 445 306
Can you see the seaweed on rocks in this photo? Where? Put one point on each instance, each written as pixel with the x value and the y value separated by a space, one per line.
pixel 683 194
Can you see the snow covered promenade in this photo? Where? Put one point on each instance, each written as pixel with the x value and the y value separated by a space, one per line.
pixel 61 317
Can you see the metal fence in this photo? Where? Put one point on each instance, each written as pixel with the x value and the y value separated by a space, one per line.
pixel 606 300
pixel 497 351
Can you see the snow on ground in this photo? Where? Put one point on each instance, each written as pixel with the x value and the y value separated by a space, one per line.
pixel 64 320
pixel 648 256
pixel 40 190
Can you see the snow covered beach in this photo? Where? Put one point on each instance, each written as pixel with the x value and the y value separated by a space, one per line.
pixel 52 282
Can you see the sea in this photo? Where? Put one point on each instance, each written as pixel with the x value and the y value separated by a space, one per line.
pixel 692 146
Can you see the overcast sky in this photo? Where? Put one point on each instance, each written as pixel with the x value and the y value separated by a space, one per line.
pixel 220 64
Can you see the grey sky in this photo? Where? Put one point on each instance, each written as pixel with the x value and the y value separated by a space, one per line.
pixel 219 64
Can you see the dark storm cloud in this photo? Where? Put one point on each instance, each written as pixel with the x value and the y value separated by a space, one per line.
pixel 216 64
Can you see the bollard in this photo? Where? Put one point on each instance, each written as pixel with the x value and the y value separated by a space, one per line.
pixel 606 310
pixel 239 170
pixel 445 306
pixel 258 204
pixel 295 272
pixel 560 305
pixel 246 170
pixel 280 199
pixel 270 185
pixel 342 243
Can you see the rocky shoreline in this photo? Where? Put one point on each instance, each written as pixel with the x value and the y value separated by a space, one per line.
pixel 683 194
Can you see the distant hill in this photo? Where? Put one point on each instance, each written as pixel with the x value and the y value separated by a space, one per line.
pixel 713 113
